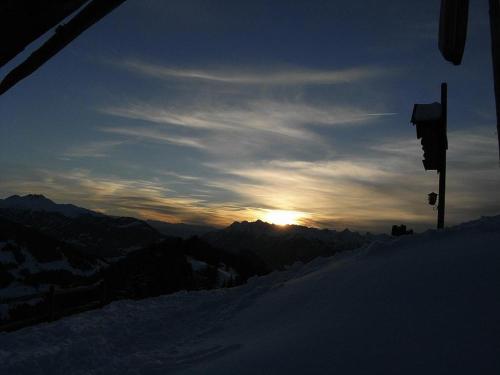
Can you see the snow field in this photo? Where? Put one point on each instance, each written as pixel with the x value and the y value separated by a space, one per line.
pixel 427 303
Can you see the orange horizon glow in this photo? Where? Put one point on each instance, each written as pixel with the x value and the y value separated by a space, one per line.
pixel 282 217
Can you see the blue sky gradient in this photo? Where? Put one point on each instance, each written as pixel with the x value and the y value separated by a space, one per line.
pixel 215 111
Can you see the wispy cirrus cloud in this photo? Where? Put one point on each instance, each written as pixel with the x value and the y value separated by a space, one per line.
pixel 141 198
pixel 337 194
pixel 472 163
pixel 269 152
pixel 247 120
pixel 370 190
pixel 366 190
pixel 277 76
pixel 93 149
pixel 471 149
pixel 291 119
pixel 154 135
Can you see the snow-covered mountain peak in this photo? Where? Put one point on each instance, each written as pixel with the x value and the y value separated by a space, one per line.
pixel 38 202
pixel 29 197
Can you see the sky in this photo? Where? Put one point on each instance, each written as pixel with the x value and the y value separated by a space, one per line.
pixel 220 111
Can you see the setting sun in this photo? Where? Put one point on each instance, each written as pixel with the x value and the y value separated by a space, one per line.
pixel 282 217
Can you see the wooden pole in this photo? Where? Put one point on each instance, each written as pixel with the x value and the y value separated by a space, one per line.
pixel 444 147
pixel 495 54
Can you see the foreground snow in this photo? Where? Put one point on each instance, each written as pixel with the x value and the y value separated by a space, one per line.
pixel 424 304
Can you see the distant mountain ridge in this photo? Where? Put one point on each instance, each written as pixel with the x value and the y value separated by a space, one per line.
pixel 181 230
pixel 108 236
pixel 263 227
pixel 38 202
pixel 89 231
pixel 43 243
pixel 279 246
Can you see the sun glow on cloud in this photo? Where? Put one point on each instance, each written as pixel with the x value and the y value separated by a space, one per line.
pixel 282 76
pixel 280 217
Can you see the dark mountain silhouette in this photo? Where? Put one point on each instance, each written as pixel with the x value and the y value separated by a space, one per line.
pixel 279 246
pixel 246 264
pixel 180 229
pixel 157 269
pixel 174 264
pixel 264 246
pixel 44 244
pixel 31 262
pixel 89 231
pixel 103 236
pixel 31 259
pixel 38 202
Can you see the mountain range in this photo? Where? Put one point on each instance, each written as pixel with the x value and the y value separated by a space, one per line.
pixel 89 231
pixel 279 246
pixel 38 202
pixel 44 243
pixel 110 236
pixel 181 230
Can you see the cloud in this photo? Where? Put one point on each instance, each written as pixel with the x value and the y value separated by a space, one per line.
pixel 94 149
pixel 471 149
pixel 248 127
pixel 271 122
pixel 374 189
pixel 143 198
pixel 280 127
pixel 332 193
pixel 369 190
pixel 111 194
pixel 283 76
pixel 472 165
pixel 272 116
pixel 155 135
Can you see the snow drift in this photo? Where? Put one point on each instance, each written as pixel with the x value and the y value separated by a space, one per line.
pixel 418 304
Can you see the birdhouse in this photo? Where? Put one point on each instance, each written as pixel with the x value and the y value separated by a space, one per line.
pixel 432 198
pixel 428 119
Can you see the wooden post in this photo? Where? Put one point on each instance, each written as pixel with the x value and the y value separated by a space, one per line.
pixel 442 170
pixel 495 54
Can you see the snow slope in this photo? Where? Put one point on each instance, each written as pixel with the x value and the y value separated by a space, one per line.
pixel 422 304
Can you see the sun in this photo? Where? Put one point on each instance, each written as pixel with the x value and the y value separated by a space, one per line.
pixel 280 217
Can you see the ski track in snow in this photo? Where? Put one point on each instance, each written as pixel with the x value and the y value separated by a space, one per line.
pixel 426 303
